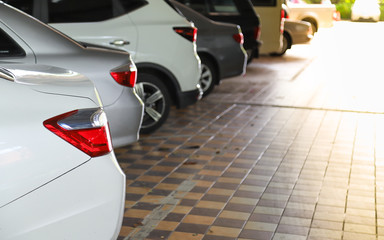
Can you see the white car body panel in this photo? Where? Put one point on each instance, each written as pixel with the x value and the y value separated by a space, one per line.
pixel 271 25
pixel 365 10
pixel 44 45
pixel 323 14
pixel 151 39
pixel 299 31
pixel 49 188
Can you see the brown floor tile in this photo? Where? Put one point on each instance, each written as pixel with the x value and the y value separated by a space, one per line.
pixel 224 231
pixel 255 234
pixel 167 225
pixel 213 237
pixel 205 212
pixel 188 202
pixel 234 215
pixel 239 207
pixel 295 230
pixel 210 204
pixel 158 234
pixel 185 236
pixel 259 217
pixel 197 219
pixel 228 222
pixel 248 194
pixel 192 228
pixel 174 217
pixel 132 222
pixel 216 198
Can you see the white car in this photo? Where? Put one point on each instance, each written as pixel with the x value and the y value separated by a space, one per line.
pixel 365 10
pixel 295 32
pixel 24 39
pixel 161 42
pixel 59 178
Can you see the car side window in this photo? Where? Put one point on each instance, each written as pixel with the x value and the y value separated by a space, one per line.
pixel 197 5
pixel 67 11
pixel 132 5
pixel 264 3
pixel 8 47
pixel 224 6
pixel 24 5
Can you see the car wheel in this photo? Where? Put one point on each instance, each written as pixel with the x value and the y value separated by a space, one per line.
pixel 249 56
pixel 157 102
pixel 313 24
pixel 208 77
pixel 286 45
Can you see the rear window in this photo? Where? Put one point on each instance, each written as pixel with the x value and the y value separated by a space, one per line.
pixel 264 3
pixel 212 6
pixel 24 5
pixel 132 5
pixel 66 11
pixel 62 11
pixel 224 6
pixel 8 47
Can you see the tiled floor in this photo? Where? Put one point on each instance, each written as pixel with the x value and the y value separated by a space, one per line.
pixel 259 163
pixel 221 171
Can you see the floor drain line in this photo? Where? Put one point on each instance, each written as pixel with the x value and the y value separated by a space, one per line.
pixel 307 108
pixel 158 214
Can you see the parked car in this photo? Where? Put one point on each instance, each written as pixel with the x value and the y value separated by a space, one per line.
pixel 295 32
pixel 318 15
pixel 239 12
pixel 365 10
pixel 59 177
pixel 27 40
pixel 220 48
pixel 272 22
pixel 161 42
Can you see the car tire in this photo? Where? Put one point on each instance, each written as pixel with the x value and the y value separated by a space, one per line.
pixel 156 99
pixel 286 45
pixel 313 24
pixel 208 77
pixel 249 56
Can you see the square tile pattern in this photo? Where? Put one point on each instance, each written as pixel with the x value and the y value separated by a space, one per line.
pixel 246 171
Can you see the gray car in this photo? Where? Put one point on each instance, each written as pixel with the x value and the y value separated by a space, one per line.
pixel 23 39
pixel 219 46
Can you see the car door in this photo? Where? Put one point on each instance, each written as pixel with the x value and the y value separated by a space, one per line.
pixel 102 22
pixel 12 48
pixel 272 25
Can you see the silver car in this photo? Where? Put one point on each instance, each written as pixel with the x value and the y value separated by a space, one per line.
pixel 23 39
pixel 219 46
pixel 59 178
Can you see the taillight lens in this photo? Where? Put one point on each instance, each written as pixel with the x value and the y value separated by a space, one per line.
pixel 86 129
pixel 256 33
pixel 189 33
pixel 282 14
pixel 125 75
pixel 239 37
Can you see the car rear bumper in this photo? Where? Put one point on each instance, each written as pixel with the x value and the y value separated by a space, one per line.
pixel 84 203
pixel 253 46
pixel 125 117
pixel 189 97
pixel 234 63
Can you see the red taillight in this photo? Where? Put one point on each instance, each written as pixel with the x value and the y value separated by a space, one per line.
pixel 189 33
pixel 282 14
pixel 256 33
pixel 239 37
pixel 125 75
pixel 86 129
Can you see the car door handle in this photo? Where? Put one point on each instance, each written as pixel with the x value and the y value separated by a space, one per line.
pixel 119 42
